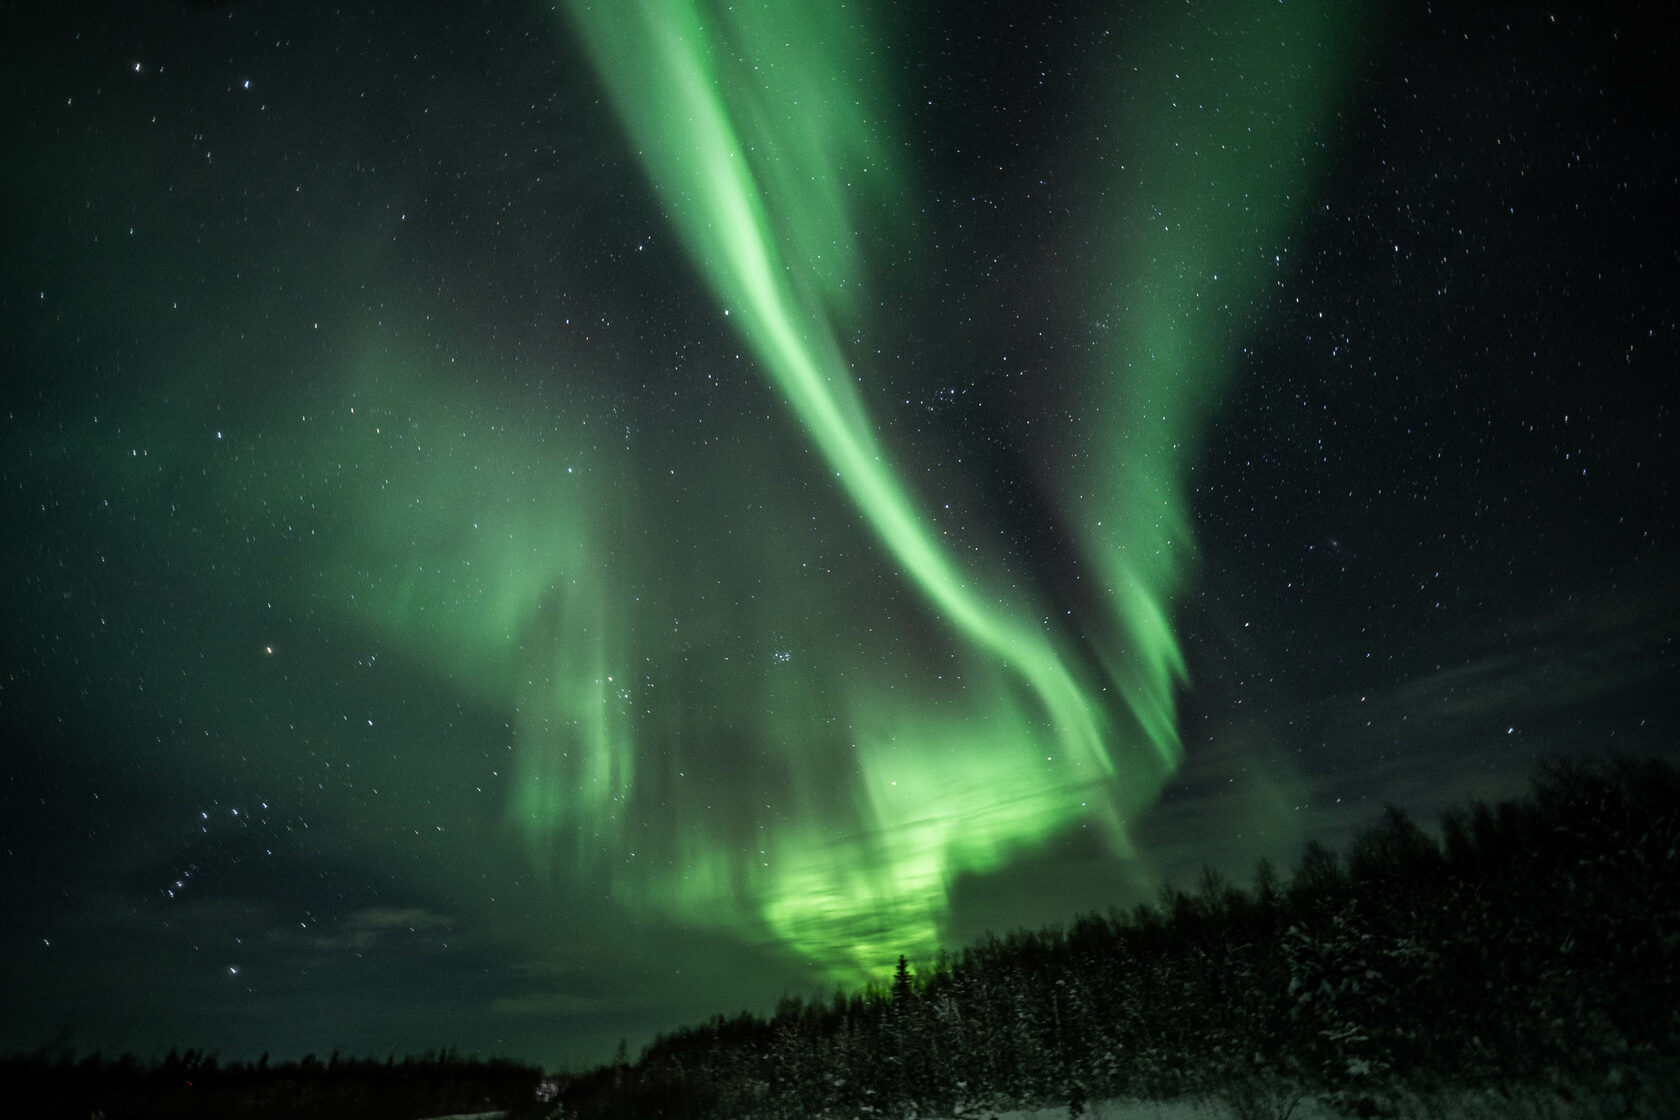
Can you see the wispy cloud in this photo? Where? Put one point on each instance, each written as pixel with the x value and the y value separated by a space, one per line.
pixel 388 927
pixel 1583 650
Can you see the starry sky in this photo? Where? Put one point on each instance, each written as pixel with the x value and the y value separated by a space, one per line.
pixel 527 525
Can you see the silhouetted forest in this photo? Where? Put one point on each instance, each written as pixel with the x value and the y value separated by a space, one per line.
pixel 1536 944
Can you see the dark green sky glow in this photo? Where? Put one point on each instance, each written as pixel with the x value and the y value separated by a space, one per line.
pixel 531 526
pixel 759 127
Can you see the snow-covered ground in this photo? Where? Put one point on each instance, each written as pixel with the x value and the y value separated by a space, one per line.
pixel 1184 1109
pixel 1535 1104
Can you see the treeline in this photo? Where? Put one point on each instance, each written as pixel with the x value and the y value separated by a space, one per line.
pixel 1536 944
pixel 195 1085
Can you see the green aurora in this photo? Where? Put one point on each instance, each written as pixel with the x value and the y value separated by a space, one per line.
pixel 533 524
pixel 876 776
pixel 711 719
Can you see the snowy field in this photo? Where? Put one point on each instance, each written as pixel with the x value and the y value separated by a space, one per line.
pixel 1520 1105
pixel 1185 1109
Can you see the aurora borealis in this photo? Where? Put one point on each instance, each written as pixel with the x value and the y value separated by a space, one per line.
pixel 530 527
pixel 752 125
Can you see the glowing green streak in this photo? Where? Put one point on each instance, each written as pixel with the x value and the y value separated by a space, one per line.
pixel 844 845
pixel 829 801
pixel 657 58
pixel 730 202
pixel 1219 142
pixel 480 555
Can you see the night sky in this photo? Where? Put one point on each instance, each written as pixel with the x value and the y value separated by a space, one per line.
pixel 528 525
